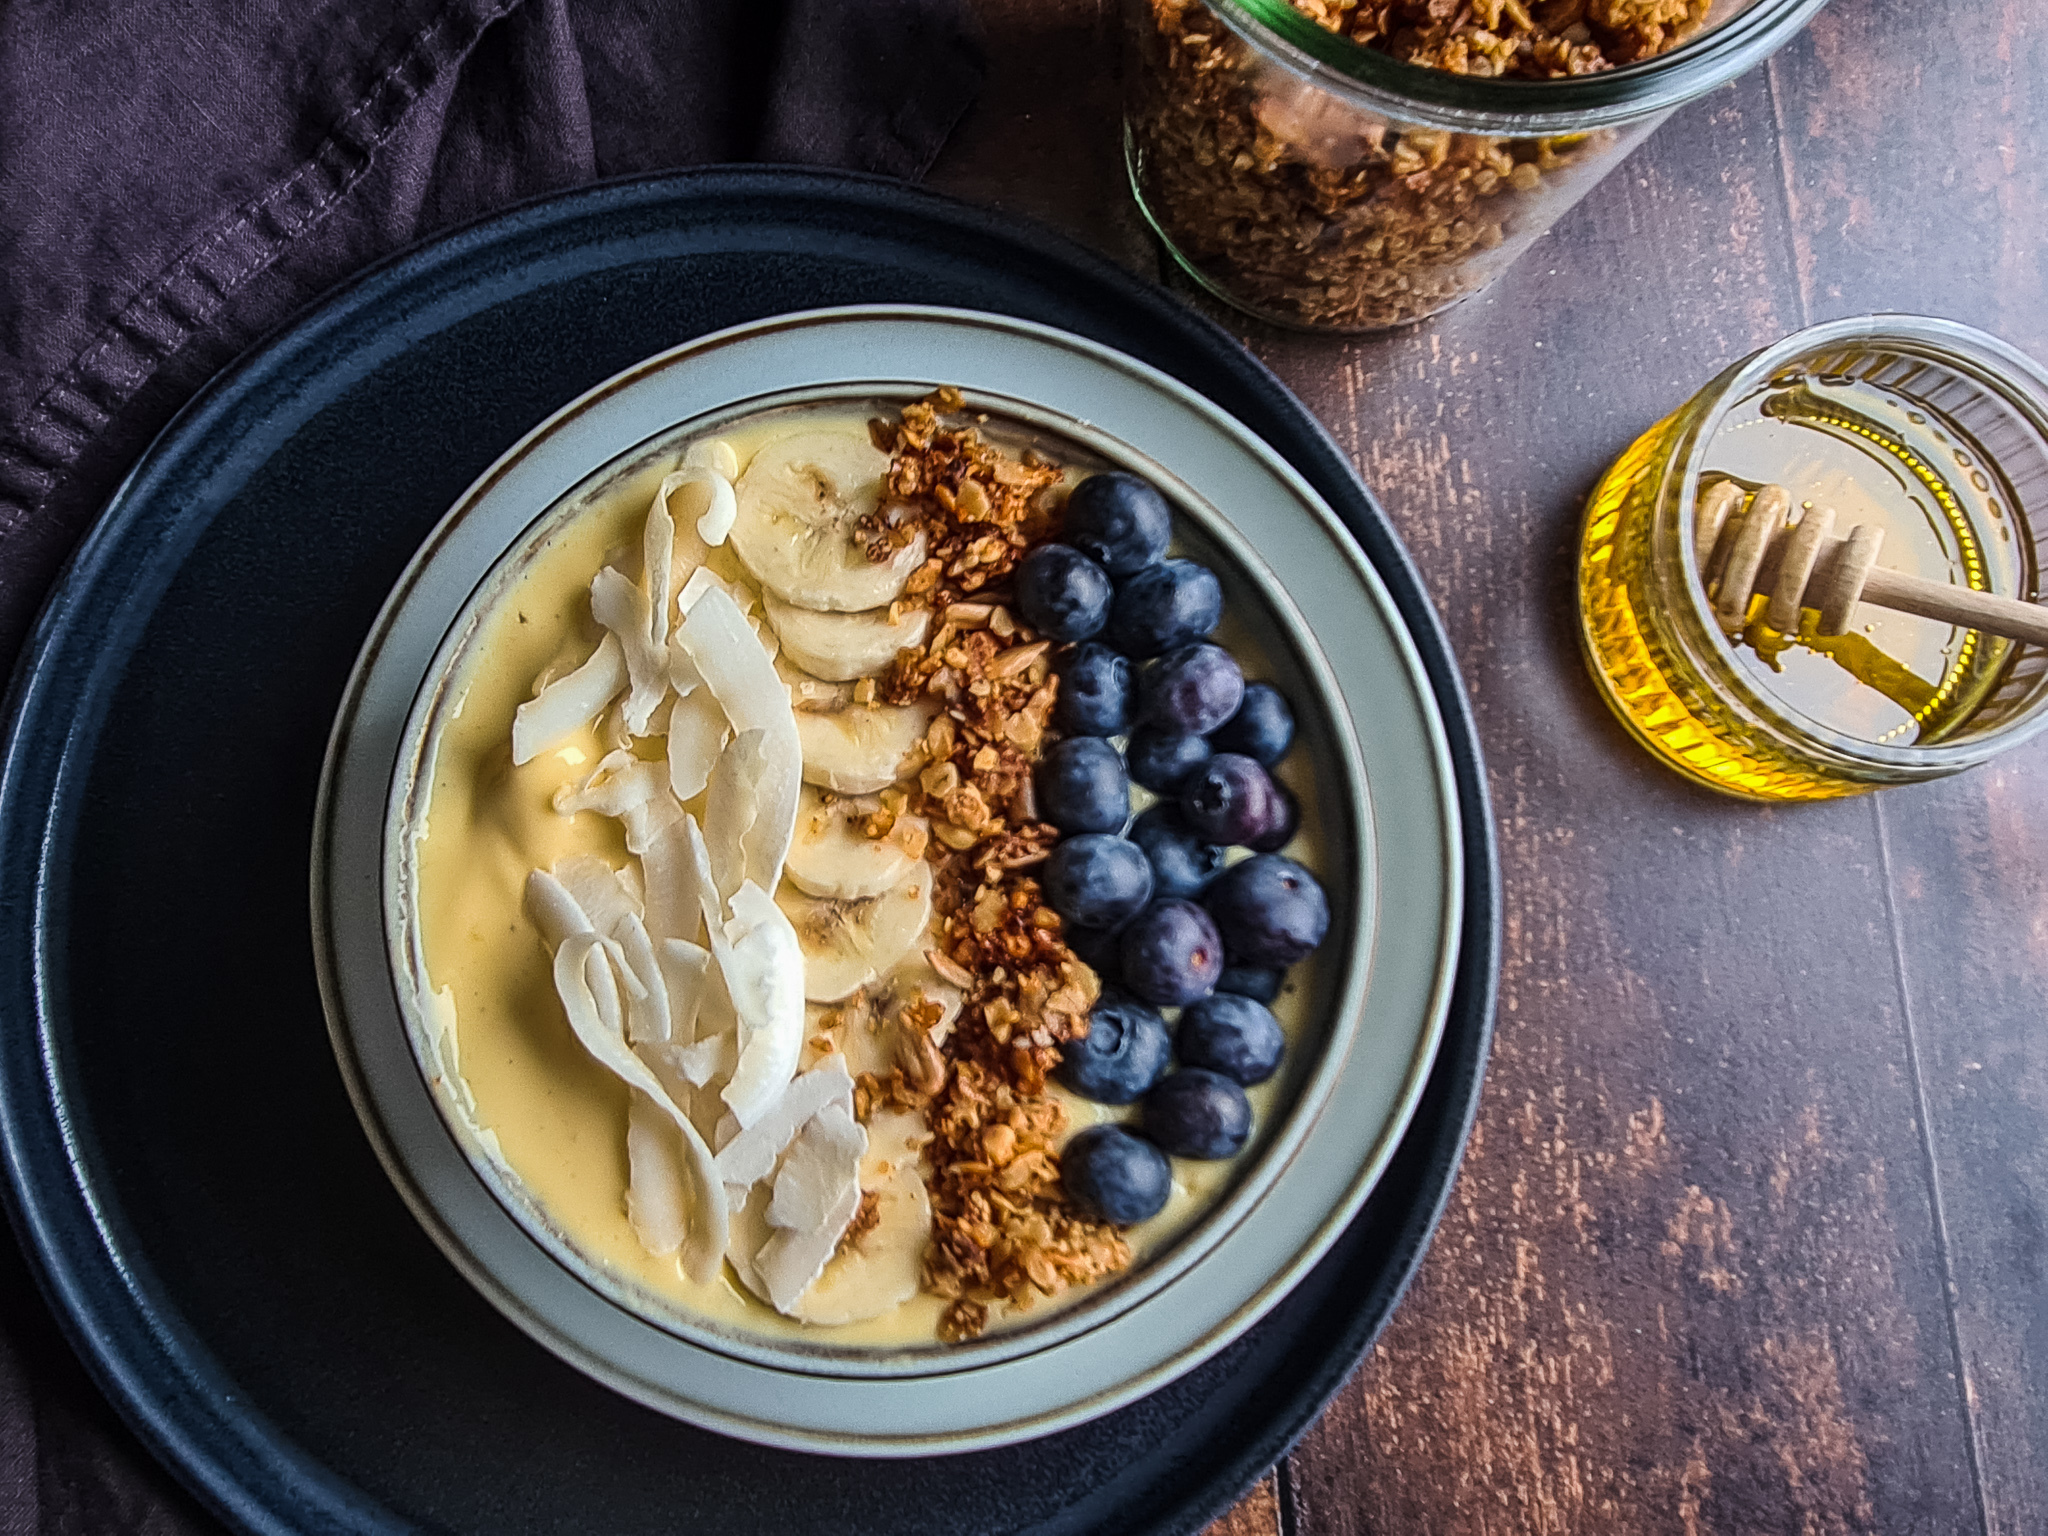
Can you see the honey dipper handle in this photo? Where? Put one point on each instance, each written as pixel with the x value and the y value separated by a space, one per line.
pixel 2005 616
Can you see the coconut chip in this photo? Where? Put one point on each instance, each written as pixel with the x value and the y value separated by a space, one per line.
pixel 816 1195
pixel 578 963
pixel 697 730
pixel 569 704
pixel 622 608
pixel 748 1156
pixel 763 966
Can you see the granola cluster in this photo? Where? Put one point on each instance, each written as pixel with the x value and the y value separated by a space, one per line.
pixel 1002 1227
pixel 1310 209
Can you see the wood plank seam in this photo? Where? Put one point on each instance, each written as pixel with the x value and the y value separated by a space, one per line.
pixel 1938 1206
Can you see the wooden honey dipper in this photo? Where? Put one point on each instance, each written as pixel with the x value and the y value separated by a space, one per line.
pixel 1806 566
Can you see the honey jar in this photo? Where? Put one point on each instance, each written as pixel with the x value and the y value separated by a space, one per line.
pixel 1930 433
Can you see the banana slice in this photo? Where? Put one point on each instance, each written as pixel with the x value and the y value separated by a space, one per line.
pixel 806 691
pixel 847 944
pixel 863 747
pixel 831 856
pixel 878 1269
pixel 840 647
pixel 799 503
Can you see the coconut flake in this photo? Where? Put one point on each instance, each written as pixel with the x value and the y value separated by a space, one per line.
pixel 697 730
pixel 763 967
pixel 713 453
pixel 657 543
pixel 594 886
pixel 621 607
pixel 615 790
pixel 738 671
pixel 683 967
pixel 648 1014
pixel 816 1195
pixel 732 803
pixel 570 703
pixel 675 891
pixel 554 911
pixel 749 1156
pixel 656 1193
pixel 579 962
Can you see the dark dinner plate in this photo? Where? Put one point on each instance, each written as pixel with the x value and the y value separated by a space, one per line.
pixel 185 1169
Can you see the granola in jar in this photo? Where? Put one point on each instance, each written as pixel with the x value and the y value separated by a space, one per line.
pixel 1316 206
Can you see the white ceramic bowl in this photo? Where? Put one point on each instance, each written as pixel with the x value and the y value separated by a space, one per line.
pixel 1378 989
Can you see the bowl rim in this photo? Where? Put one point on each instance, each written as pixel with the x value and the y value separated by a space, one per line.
pixel 427 1195
pixel 1344 982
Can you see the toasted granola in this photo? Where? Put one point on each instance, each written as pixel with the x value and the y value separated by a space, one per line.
pixel 1310 209
pixel 1002 1228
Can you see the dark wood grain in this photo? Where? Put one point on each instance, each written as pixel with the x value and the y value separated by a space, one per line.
pixel 1751 1236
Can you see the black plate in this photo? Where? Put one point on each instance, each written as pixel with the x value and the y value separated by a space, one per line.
pixel 185 1168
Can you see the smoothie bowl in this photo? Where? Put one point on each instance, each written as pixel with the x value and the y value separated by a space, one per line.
pixel 871 934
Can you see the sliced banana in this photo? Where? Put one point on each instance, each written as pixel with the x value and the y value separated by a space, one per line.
pixel 832 856
pixel 840 647
pixel 808 692
pixel 847 944
pixel 863 747
pixel 800 502
pixel 879 1270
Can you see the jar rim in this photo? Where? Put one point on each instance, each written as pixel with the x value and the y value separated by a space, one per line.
pixel 1473 103
pixel 2017 378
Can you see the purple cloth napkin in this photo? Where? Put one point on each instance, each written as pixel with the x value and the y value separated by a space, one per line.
pixel 178 178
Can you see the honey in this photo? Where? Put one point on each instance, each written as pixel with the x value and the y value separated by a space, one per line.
pixel 1927 432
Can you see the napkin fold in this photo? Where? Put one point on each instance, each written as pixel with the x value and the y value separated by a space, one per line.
pixel 177 177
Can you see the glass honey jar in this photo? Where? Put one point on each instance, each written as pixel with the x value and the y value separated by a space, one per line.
pixel 1931 433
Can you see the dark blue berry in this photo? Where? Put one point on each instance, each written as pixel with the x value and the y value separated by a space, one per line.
pixel 1195 1113
pixel 1126 1050
pixel 1162 760
pixel 1230 799
pixel 1263 726
pixel 1285 824
pixel 1098 691
pixel 1192 690
pixel 1258 983
pixel 1097 949
pixel 1062 593
pixel 1119 520
pixel 1120 1177
pixel 1082 788
pixel 1165 606
pixel 1272 908
pixel 1182 864
pixel 1232 1035
pixel 1171 953
pixel 1097 880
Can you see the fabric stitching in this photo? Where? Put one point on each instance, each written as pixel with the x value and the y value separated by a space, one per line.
pixel 125 354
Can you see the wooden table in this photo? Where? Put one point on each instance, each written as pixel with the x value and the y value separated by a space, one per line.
pixel 1753 1231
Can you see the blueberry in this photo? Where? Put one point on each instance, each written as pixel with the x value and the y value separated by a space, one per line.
pixel 1285 824
pixel 1098 691
pixel 1165 606
pixel 1263 726
pixel 1232 1035
pixel 1195 1113
pixel 1119 520
pixel 1126 1050
pixel 1062 593
pixel 1097 949
pixel 1162 760
pixel 1182 864
pixel 1171 953
pixel 1194 690
pixel 1096 880
pixel 1082 788
pixel 1229 799
pixel 1120 1177
pixel 1272 908
pixel 1258 983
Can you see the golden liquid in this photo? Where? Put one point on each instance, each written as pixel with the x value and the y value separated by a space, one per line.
pixel 1877 458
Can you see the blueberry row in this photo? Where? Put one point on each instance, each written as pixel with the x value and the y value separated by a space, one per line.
pixel 1202 736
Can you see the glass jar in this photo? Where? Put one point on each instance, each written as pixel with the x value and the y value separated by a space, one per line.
pixel 1719 707
pixel 1319 184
